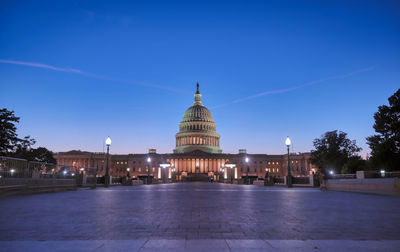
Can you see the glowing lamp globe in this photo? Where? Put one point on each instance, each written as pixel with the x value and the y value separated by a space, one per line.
pixel 108 141
pixel 288 142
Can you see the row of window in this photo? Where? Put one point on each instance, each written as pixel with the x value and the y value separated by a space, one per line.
pixel 198 127
pixel 271 170
pixel 197 140
pixel 260 162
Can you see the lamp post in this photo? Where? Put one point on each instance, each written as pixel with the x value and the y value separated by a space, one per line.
pixel 223 174
pixel 127 172
pixel 163 169
pixel 107 176
pixel 289 177
pixel 247 170
pixel 148 170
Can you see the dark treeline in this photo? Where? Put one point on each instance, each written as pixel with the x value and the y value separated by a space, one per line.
pixel 334 151
pixel 13 146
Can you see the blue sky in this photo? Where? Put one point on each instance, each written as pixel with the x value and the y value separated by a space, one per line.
pixel 78 71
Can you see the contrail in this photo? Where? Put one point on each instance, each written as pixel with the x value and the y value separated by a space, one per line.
pixel 77 71
pixel 40 65
pixel 310 83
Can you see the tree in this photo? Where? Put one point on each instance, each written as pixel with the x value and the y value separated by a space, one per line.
pixel 333 150
pixel 385 145
pixel 8 136
pixel 42 154
pixel 13 146
pixel 354 164
pixel 23 147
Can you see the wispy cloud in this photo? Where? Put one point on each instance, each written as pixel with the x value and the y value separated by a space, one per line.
pixel 40 65
pixel 91 75
pixel 310 83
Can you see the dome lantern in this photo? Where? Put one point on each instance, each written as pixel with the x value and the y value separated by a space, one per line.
pixel 197 96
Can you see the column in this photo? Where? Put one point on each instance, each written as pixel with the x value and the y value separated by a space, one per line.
pixel 201 165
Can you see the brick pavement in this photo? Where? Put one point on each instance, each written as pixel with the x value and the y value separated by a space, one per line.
pixel 194 211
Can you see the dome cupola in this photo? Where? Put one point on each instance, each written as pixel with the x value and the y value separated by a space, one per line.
pixel 197 130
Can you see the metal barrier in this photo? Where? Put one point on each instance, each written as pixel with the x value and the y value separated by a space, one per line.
pixel 381 174
pixel 278 180
pixel 344 176
pixel 116 180
pixel 17 168
pixel 13 167
pixel 366 174
pixel 301 180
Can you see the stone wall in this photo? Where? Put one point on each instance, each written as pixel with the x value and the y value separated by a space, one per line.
pixel 384 186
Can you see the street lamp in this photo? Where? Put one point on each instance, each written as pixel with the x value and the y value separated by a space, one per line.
pixel 127 170
pixel 165 166
pixel 289 177
pixel 107 176
pixel 247 171
pixel 148 170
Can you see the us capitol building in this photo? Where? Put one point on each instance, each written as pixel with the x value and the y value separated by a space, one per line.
pixel 197 156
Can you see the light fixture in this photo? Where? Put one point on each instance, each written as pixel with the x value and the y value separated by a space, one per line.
pixel 165 165
pixel 288 142
pixel 108 141
pixel 230 165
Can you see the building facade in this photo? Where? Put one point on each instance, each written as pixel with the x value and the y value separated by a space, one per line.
pixel 197 156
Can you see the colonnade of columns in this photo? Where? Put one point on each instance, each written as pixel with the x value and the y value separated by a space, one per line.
pixel 201 140
pixel 203 165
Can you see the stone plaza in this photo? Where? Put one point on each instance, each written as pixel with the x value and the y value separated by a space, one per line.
pixel 199 216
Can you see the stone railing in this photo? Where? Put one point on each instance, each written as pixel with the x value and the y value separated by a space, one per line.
pixel 385 186
pixel 306 181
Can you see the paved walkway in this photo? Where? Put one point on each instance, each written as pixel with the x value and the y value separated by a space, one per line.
pixel 202 245
pixel 184 212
